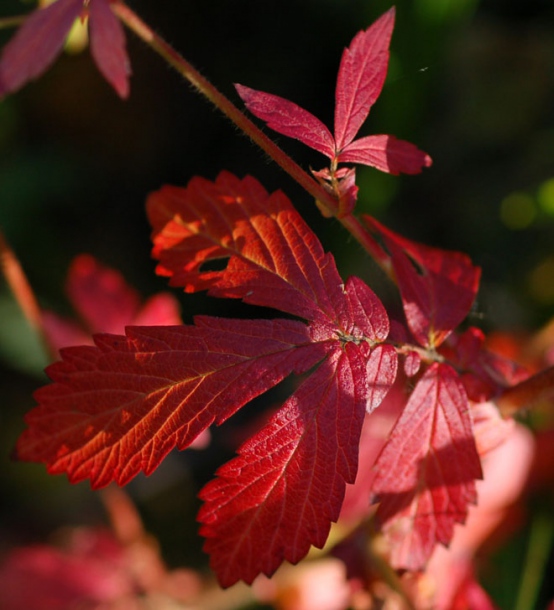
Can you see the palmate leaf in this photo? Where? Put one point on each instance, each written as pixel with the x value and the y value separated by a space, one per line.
pixel 360 80
pixel 425 474
pixel 117 409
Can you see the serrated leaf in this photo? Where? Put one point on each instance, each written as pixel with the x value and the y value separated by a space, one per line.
pixel 387 154
pixel 118 409
pixel 425 474
pixel 437 286
pixel 36 44
pixel 292 472
pixel 107 46
pixel 361 76
pixel 287 118
pixel 275 260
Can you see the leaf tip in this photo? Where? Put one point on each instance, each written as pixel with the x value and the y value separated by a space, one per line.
pixel 243 91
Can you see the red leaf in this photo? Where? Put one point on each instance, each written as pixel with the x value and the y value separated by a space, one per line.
pixel 360 79
pixel 363 315
pixel 107 46
pixel 425 475
pixel 487 374
pixel 101 295
pixel 292 473
pixel 437 286
pixel 106 304
pixel 412 363
pixel 387 154
pixel 341 184
pixel 275 259
pixel 288 119
pixel 361 76
pixel 117 410
pixel 36 44
pixel 381 370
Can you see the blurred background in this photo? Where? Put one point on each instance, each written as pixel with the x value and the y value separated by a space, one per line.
pixel 471 82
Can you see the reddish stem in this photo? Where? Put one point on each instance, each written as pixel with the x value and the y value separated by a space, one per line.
pixel 173 58
pixel 23 293
pixel 325 200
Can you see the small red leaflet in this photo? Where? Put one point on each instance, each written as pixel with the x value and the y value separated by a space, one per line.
pixel 118 408
pixel 360 79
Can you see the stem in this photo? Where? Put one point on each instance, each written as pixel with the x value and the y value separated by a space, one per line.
pixel 179 63
pixel 540 543
pixel 326 200
pixel 364 237
pixel 23 293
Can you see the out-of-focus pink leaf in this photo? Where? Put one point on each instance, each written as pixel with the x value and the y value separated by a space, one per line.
pixel 161 309
pixel 36 44
pixel 107 46
pixel 437 286
pixel 425 475
pixel 387 154
pixel 489 428
pixel 100 295
pixel 91 573
pixel 287 118
pixel 361 76
pixel 449 572
pixel 105 303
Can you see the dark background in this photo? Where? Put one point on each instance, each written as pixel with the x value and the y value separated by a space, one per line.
pixel 470 82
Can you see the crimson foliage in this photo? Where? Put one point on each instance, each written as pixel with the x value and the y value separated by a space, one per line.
pixel 117 408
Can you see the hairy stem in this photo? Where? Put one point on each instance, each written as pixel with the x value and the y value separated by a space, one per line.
pixel 224 104
pixel 325 200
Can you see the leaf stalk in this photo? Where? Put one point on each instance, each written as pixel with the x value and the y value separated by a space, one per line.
pixel 325 200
